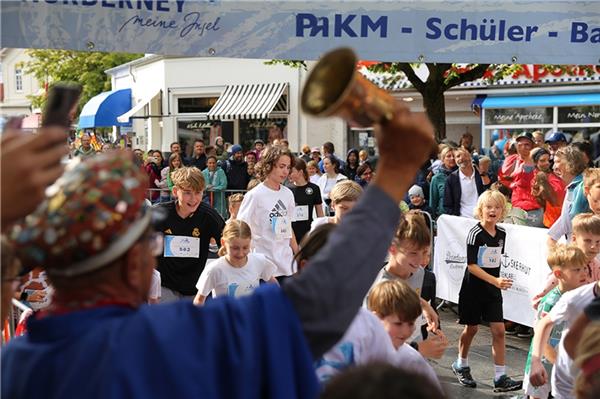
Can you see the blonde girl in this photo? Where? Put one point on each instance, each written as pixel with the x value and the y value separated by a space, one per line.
pixel 237 272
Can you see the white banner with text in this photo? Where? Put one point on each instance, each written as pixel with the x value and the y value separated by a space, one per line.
pixel 495 31
pixel 523 261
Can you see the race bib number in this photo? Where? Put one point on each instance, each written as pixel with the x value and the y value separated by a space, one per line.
pixel 181 247
pixel 300 213
pixel 489 257
pixel 281 227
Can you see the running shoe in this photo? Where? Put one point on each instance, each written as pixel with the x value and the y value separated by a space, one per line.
pixel 507 384
pixel 464 376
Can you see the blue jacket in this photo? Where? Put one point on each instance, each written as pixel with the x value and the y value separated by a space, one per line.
pixel 452 192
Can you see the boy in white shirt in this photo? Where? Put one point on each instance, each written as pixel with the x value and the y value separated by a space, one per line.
pixel 268 209
pixel 566 310
pixel 398 306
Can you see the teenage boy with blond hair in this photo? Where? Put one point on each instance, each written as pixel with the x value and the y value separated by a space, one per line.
pixel 188 226
pixel 398 306
pixel 569 267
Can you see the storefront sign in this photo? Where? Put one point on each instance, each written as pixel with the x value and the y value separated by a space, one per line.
pixel 542 32
pixel 589 114
pixel 518 116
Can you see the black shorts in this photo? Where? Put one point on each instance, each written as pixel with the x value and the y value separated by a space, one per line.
pixel 471 311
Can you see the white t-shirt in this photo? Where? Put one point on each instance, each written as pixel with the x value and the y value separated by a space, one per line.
pixel 365 341
pixel 407 358
pixel 223 279
pixel 567 309
pixel 468 194
pixel 314 179
pixel 320 221
pixel 155 291
pixel 269 214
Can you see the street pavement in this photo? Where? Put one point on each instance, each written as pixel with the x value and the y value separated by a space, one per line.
pixel 480 361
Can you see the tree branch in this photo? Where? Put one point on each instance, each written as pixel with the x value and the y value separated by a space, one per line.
pixel 412 77
pixel 468 76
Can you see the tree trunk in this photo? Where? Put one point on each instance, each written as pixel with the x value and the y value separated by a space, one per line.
pixel 435 108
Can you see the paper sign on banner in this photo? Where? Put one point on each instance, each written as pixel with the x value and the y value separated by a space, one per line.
pixel 523 261
pixel 181 247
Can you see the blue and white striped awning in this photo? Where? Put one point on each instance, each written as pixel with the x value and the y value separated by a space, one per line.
pixel 252 101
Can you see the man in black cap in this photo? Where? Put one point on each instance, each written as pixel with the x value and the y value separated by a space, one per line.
pixel 236 169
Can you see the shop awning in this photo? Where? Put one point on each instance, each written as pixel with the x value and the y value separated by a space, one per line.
pixel 556 100
pixel 103 109
pixel 137 108
pixel 253 101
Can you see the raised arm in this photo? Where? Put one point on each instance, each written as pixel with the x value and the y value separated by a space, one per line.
pixel 328 294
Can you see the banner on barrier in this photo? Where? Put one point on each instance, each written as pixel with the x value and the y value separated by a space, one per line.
pixel 524 261
pixel 495 31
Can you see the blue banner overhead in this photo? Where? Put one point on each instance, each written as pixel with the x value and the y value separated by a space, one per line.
pixel 494 31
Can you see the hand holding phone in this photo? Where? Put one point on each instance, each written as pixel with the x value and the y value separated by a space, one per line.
pixel 61 104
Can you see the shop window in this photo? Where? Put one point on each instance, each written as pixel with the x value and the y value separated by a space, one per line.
pixel 266 130
pixel 518 116
pixel 196 105
pixel 579 114
pixel 190 130
pixel 362 139
pixel 18 79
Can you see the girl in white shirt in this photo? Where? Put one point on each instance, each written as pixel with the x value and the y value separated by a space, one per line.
pixel 268 209
pixel 237 272
pixel 328 179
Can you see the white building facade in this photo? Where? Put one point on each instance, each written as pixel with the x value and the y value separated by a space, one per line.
pixel 173 99
pixel 16 84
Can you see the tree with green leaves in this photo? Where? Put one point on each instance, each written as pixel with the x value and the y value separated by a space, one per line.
pixel 442 77
pixel 87 68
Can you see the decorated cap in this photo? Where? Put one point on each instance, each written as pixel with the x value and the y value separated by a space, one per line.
pixel 91 216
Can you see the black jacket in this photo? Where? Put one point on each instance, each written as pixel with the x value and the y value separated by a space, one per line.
pixel 237 174
pixel 452 192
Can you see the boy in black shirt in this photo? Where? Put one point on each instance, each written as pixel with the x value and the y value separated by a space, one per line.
pixel 188 226
pixel 480 296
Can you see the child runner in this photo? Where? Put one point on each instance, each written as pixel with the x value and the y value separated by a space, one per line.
pixel 268 210
pixel 235 200
pixel 366 340
pixel 408 252
pixel 566 310
pixel 480 296
pixel 312 167
pixel 307 197
pixel 586 236
pixel 344 196
pixel 398 306
pixel 568 264
pixel 237 272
